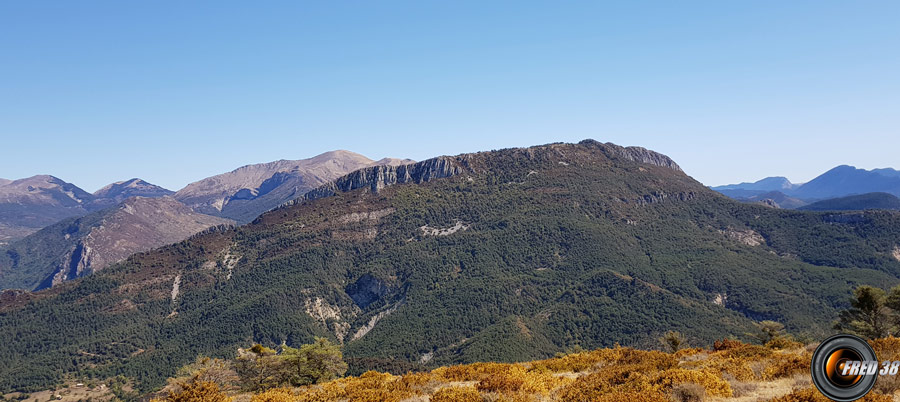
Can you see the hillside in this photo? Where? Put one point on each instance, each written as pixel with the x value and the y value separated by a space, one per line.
pixel 507 255
pixel 856 202
pixel 248 191
pixel 728 371
pixel 79 246
pixel 29 204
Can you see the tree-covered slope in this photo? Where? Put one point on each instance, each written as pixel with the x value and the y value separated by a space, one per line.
pixel 504 255
pixel 856 202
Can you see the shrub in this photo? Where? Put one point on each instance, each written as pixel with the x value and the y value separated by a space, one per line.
pixel 726 344
pixel 274 395
pixel 782 342
pixel 813 395
pixel 456 394
pixel 630 397
pixel 712 383
pixel 673 341
pixel 786 365
pixel 316 362
pixel 886 348
pixel 688 392
pixel 197 392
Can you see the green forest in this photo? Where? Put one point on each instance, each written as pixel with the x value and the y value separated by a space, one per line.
pixel 527 253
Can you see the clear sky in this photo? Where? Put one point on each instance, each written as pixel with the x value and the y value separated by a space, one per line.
pixel 174 91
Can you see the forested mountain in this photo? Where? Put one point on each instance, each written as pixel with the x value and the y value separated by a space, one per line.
pixel 29 204
pixel 506 255
pixel 79 246
pixel 856 202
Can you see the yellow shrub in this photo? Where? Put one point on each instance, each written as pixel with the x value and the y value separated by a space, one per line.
pixel 456 394
pixel 326 392
pixel 578 362
pixel 813 395
pixel 632 397
pixel 782 342
pixel 714 384
pixel 786 365
pixel 886 348
pixel 628 378
pixel 688 352
pixel 737 368
pixel 417 379
pixel 274 395
pixel 197 392
pixel 470 372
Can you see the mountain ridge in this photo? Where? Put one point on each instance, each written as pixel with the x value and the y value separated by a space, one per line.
pixel 582 244
pixel 82 245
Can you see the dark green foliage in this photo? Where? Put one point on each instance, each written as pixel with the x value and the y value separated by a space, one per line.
pixel 314 363
pixel 868 316
pixel 558 246
pixel 856 202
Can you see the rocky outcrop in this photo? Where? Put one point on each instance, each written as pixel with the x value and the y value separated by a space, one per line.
pixel 633 154
pixel 246 192
pixel 377 177
pixel 660 196
pixel 846 218
pixel 76 263
pixel 747 237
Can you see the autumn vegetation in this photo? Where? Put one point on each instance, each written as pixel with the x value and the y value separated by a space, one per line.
pixel 777 370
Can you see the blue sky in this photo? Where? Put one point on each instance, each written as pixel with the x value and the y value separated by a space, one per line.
pixel 174 91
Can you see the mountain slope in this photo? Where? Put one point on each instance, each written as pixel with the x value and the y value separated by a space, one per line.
pixel 29 204
pixel 78 246
pixel 768 184
pixel 248 191
pixel 856 202
pixel 504 255
pixel 848 180
pixel 119 191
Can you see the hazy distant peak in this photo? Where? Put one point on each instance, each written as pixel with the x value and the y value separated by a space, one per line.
pixel 250 190
pixel 393 162
pixel 132 187
pixel 887 172
pixel 4 182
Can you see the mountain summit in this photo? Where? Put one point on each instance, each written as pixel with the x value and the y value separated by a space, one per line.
pixel 119 191
pixel 505 255
pixel 248 191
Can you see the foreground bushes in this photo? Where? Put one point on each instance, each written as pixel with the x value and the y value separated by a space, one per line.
pixel 618 374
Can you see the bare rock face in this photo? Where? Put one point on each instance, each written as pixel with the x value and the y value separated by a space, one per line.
pixel 378 177
pixel 634 154
pixel 246 192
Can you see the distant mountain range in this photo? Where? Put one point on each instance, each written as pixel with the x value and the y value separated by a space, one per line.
pixel 840 181
pixel 246 192
pixel 79 246
pixel 84 232
pixel 505 255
